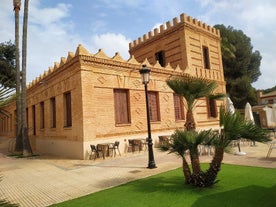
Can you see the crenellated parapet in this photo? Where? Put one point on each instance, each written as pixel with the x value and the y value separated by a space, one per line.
pixel 100 57
pixel 184 19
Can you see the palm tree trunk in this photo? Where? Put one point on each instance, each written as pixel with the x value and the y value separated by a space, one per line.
pixel 27 150
pixel 194 155
pixel 190 121
pixel 197 178
pixel 19 141
pixel 212 172
pixel 186 170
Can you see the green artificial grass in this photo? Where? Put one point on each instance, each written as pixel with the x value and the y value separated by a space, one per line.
pixel 238 186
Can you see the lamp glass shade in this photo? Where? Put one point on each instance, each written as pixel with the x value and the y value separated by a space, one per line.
pixel 145 75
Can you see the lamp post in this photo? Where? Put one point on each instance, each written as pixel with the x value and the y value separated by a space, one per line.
pixel 145 75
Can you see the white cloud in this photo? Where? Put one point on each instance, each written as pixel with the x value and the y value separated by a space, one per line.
pixel 47 16
pixel 112 43
pixel 51 36
pixel 52 32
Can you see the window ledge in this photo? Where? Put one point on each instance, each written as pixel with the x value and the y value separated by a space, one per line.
pixel 122 125
pixel 180 120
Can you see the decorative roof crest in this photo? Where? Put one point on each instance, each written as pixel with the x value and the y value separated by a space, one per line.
pixel 118 57
pixel 157 64
pixel 132 60
pixel 101 54
pixel 146 62
pixel 178 69
pixel 70 56
pixel 56 66
pixel 62 61
pixel 81 50
pixel 169 67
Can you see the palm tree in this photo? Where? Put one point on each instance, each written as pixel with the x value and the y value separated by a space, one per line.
pixel 183 141
pixel 6 93
pixel 192 89
pixel 19 141
pixel 233 127
pixel 27 150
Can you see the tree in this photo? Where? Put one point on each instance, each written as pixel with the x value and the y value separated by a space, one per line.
pixel 268 90
pixel 22 139
pixel 6 95
pixel 239 62
pixel 188 139
pixel 233 126
pixel 19 141
pixel 27 150
pixel 7 64
pixel 192 89
pixel 242 86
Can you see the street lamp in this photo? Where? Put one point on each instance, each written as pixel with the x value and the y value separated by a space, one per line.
pixel 145 75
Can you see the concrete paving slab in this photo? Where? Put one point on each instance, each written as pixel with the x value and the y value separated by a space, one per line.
pixel 42 181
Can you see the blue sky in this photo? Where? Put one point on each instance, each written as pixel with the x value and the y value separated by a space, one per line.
pixel 58 26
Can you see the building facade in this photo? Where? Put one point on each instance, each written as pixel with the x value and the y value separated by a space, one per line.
pixel 265 112
pixel 268 98
pixel 92 98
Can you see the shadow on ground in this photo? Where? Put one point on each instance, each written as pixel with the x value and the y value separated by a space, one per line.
pixel 245 197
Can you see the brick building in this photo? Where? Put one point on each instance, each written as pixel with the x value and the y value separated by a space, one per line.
pixel 92 98
pixel 264 112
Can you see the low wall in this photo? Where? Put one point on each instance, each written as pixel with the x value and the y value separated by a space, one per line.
pixel 60 148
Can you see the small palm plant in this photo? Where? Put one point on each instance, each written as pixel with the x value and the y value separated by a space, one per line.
pixel 184 142
pixel 232 126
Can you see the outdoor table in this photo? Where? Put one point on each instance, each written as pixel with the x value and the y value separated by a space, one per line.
pixel 139 143
pixel 163 139
pixel 103 147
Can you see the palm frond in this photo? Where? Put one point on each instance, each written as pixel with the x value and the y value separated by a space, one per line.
pixel 234 127
pixel 216 96
pixel 193 88
pixel 6 95
pixel 254 133
pixel 182 140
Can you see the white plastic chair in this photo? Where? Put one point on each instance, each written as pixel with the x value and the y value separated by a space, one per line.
pixel 272 146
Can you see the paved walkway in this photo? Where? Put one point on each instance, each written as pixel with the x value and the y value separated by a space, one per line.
pixel 41 181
